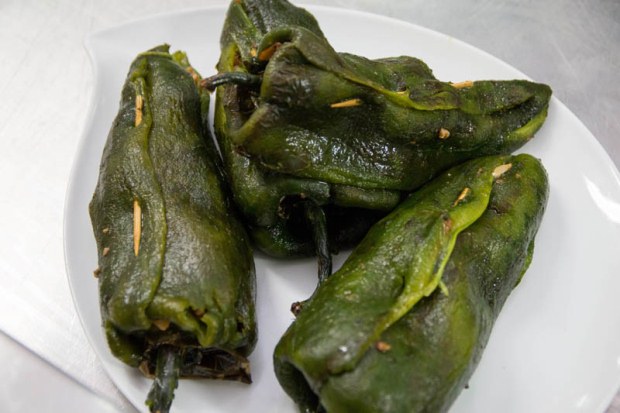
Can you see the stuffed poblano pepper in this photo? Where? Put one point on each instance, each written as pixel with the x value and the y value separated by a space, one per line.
pixel 402 325
pixel 300 123
pixel 176 274
pixel 286 215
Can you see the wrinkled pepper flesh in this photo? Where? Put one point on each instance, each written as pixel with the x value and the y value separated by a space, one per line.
pixel 298 122
pixel 176 273
pixel 402 325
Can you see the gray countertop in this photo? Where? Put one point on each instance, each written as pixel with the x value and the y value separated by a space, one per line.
pixel 46 84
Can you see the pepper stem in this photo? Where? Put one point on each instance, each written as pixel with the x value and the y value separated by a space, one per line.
pixel 167 370
pixel 237 78
pixel 318 222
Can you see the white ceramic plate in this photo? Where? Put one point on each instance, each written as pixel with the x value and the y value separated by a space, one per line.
pixel 556 344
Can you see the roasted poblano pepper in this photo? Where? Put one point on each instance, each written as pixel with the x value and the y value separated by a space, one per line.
pixel 401 326
pixel 176 274
pixel 297 121
pixel 286 215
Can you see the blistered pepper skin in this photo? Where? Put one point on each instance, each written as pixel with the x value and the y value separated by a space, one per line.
pixel 378 124
pixel 343 354
pixel 175 264
pixel 342 130
pixel 266 199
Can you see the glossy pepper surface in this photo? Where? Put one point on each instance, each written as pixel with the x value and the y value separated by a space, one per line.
pixel 297 120
pixel 176 274
pixel 401 326
pixel 276 205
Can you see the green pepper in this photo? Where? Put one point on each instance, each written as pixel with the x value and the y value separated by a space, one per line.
pixel 286 215
pixel 176 273
pixel 401 326
pixel 297 121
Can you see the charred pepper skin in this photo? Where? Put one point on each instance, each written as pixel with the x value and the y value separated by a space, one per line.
pixel 175 264
pixel 269 201
pixel 377 124
pixel 355 347
pixel 296 120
